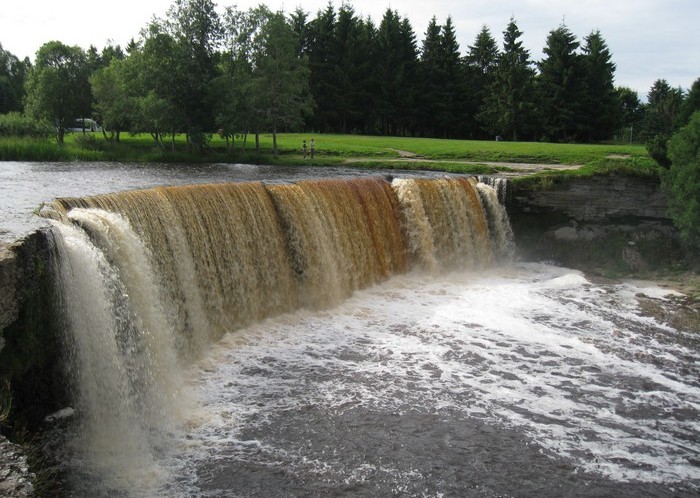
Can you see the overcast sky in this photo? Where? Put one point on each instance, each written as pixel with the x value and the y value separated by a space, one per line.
pixel 649 39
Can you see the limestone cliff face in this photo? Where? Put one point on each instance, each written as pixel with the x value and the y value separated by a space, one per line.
pixel 15 477
pixel 614 223
pixel 8 295
pixel 31 344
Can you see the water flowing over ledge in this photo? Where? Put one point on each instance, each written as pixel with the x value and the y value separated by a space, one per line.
pixel 148 278
pixel 226 255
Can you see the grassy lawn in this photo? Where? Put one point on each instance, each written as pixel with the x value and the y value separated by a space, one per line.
pixel 470 150
pixel 460 156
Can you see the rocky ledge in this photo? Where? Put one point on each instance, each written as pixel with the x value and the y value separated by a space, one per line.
pixel 611 224
pixel 15 477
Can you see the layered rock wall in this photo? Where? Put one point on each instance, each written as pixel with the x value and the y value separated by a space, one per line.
pixel 610 223
pixel 8 294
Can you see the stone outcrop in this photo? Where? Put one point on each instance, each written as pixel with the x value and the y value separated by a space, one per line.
pixel 29 358
pixel 28 351
pixel 611 223
pixel 8 294
pixel 15 476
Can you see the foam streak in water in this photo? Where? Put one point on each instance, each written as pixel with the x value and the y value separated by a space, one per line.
pixel 538 349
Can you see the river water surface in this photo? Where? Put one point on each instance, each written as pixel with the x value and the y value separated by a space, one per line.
pixel 526 380
pixel 25 186
pixel 520 380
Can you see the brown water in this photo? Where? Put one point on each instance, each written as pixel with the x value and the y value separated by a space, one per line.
pixel 25 186
pixel 356 337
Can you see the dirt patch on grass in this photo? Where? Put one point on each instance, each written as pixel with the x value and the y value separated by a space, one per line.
pixel 406 154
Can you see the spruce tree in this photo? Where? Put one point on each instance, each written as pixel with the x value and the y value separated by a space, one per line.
pixel 323 63
pixel 561 86
pixel 430 80
pixel 397 66
pixel 601 115
pixel 481 64
pixel 452 98
pixel 509 107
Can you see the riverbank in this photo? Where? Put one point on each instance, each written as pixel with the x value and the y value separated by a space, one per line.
pixel 457 156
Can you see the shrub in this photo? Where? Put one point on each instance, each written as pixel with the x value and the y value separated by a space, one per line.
pixel 657 147
pixel 682 180
pixel 15 124
pixel 88 141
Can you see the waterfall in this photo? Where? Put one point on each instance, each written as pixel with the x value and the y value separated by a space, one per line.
pixel 502 186
pixel 121 363
pixel 148 278
pixel 501 232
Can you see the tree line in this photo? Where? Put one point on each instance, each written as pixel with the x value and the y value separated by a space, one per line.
pixel 239 73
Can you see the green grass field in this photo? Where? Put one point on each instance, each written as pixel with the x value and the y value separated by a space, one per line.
pixel 469 150
pixel 459 156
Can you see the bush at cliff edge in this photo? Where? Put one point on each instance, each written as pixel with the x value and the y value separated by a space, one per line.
pixel 682 180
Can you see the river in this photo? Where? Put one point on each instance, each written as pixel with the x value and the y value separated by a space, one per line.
pixel 25 186
pixel 483 378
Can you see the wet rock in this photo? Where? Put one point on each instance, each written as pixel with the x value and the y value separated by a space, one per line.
pixel 8 298
pixel 15 476
pixel 611 224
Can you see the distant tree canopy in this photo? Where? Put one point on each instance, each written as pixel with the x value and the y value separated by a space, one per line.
pixel 682 180
pixel 58 89
pixel 13 76
pixel 197 72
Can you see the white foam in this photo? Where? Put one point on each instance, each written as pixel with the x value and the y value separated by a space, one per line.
pixel 531 347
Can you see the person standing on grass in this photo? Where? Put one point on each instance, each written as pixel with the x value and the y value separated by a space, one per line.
pixel 313 148
pixel 303 149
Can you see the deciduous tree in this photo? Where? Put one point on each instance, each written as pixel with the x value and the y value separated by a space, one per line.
pixel 682 180
pixel 113 104
pixel 13 77
pixel 281 77
pixel 58 88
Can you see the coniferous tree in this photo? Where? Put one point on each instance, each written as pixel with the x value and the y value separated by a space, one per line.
pixel 663 108
pixel 281 77
pixel 323 63
pixel 398 58
pixel 300 25
pixel 452 97
pixel 346 71
pixel 431 76
pixel 509 107
pixel 691 103
pixel 661 119
pixel 409 96
pixel 366 97
pixel 561 86
pixel 481 64
pixel 601 115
